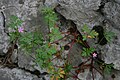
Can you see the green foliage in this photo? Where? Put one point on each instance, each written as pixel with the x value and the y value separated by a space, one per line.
pixel 13 36
pixel 108 68
pixel 44 54
pixel 68 68
pixel 109 35
pixel 87 51
pixel 50 16
pixel 88 33
pixel 55 34
pixel 14 22
pixel 31 40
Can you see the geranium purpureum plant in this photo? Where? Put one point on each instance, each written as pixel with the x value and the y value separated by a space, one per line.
pixel 46 51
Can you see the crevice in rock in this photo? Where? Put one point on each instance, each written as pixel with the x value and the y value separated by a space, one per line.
pixel 68 24
pixel 4 22
pixel 102 4
pixel 35 72
pixel 101 38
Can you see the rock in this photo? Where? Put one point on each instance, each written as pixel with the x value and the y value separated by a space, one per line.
pixel 4 38
pixel 85 12
pixel 75 55
pixel 52 3
pixel 110 51
pixel 25 61
pixel 81 12
pixel 28 11
pixel 90 12
pixel 16 74
pixel 111 12
pixel 87 75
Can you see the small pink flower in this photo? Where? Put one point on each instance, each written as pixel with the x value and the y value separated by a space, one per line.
pixel 21 29
pixel 94 54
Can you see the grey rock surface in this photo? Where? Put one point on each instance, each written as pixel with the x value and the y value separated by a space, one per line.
pixel 29 12
pixel 4 38
pixel 111 52
pixel 87 75
pixel 25 61
pixel 86 12
pixel 16 74
pixel 90 12
pixel 75 55
pixel 81 11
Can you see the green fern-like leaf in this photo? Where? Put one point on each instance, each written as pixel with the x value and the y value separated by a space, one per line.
pixel 108 68
pixel 87 51
pixel 44 54
pixel 87 33
pixel 50 16
pixel 14 22
pixel 55 34
pixel 86 29
pixel 109 35
pixel 93 34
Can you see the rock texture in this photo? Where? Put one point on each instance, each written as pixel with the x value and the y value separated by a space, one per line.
pixel 100 12
pixel 111 52
pixel 4 38
pixel 105 13
pixel 81 11
pixel 29 12
pixel 16 74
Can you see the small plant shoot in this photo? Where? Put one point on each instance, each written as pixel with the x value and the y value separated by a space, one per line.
pixel 87 33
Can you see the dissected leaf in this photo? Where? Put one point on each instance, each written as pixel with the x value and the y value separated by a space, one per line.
pixel 108 68
pixel 86 29
pixel 55 34
pixel 14 22
pixel 87 51
pixel 93 34
pixel 109 35
pixel 87 33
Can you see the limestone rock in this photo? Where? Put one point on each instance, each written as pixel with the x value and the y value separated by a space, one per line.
pixel 28 11
pixel 16 74
pixel 4 38
pixel 111 51
pixel 81 12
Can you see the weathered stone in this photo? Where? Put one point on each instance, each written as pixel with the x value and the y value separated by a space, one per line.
pixel 52 3
pixel 75 55
pixel 81 12
pixel 87 75
pixel 86 12
pixel 4 38
pixel 16 74
pixel 25 61
pixel 111 51
pixel 111 13
pixel 28 11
